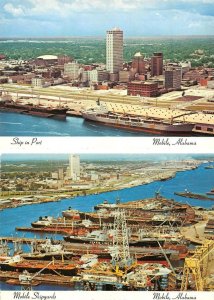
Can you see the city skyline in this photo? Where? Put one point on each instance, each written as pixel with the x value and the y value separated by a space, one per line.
pixel 102 157
pixel 37 18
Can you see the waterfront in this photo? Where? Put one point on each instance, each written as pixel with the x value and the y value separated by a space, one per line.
pixel 13 124
pixel 199 180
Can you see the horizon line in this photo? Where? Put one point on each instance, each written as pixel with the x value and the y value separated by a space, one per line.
pixel 102 36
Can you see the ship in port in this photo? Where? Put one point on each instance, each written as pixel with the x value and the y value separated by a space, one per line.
pixel 188 194
pixel 211 192
pixel 8 105
pixel 137 122
pixel 18 263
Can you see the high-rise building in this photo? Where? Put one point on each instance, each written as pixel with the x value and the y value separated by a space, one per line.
pixel 114 50
pixel 173 78
pixel 138 63
pixel 61 173
pixel 157 64
pixel 74 166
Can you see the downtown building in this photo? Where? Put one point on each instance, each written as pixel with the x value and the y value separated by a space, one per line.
pixel 74 167
pixel 145 89
pixel 157 64
pixel 173 78
pixel 114 51
pixel 72 70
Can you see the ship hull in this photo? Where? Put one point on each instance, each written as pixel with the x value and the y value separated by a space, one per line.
pixel 145 126
pixel 194 196
pixel 32 267
pixel 38 111
pixel 141 243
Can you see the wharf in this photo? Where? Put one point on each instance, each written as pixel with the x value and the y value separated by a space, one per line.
pixel 195 233
pixel 95 248
pixel 22 240
pixel 54 230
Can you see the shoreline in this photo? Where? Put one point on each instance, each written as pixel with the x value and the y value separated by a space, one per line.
pixel 96 190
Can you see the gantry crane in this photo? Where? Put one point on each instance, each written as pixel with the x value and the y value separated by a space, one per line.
pixel 121 259
pixel 196 266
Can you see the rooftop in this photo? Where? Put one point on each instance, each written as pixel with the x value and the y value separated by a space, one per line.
pixel 46 57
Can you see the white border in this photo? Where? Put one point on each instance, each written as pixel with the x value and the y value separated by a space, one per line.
pixel 117 145
pixel 104 295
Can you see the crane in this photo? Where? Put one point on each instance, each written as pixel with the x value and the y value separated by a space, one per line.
pixel 196 266
pixel 26 279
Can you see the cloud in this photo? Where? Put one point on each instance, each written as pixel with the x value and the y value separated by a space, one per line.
pixel 93 17
pixel 14 11
pixel 69 7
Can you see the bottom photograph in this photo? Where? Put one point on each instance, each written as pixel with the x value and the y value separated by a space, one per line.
pixel 107 222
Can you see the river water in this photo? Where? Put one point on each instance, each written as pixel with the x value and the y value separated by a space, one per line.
pixel 199 180
pixel 13 124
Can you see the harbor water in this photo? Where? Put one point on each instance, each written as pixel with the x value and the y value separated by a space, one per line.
pixel 13 124
pixel 199 180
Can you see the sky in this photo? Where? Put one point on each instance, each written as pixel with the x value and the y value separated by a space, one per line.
pixel 60 18
pixel 105 157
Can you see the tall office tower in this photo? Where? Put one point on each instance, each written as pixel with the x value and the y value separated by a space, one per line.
pixel 74 166
pixel 138 63
pixel 173 78
pixel 114 50
pixel 157 64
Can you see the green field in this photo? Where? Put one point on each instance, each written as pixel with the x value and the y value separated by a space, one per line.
pixel 92 50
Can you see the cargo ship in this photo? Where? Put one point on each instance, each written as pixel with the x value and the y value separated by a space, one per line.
pixel 188 194
pixel 71 214
pixel 98 236
pixel 19 264
pixel 33 110
pixel 61 225
pixel 137 122
pixel 211 192
pixel 154 211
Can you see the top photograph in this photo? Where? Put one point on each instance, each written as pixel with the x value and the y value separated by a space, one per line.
pixel 106 68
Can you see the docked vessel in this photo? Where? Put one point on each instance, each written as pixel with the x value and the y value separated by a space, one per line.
pixel 155 211
pixel 8 105
pixel 71 214
pixel 211 192
pixel 136 122
pixel 63 225
pixel 98 236
pixel 188 194
pixel 18 263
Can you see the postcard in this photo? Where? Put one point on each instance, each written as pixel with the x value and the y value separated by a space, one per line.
pixel 106 148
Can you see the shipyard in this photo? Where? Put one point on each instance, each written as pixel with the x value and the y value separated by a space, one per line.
pixel 146 242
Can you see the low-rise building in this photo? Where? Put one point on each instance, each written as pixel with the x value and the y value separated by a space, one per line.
pixel 38 81
pixel 98 75
pixel 72 70
pixel 139 88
